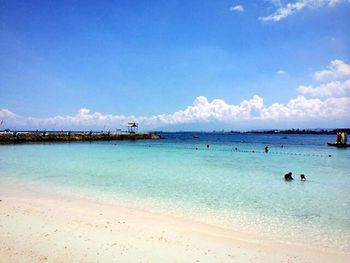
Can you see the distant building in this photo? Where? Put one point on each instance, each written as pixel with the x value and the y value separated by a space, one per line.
pixel 132 127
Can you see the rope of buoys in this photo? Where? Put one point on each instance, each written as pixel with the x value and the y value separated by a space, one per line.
pixel 283 153
pixel 206 148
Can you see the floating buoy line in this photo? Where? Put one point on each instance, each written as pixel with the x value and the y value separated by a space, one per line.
pixel 235 150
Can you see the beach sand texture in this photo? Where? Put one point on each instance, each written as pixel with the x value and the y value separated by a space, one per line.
pixel 41 227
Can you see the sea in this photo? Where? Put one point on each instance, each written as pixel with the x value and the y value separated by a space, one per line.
pixel 224 179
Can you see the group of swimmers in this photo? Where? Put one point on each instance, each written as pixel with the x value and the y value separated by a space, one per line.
pixel 289 177
pixel 342 138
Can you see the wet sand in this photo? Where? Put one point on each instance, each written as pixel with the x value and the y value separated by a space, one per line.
pixel 40 227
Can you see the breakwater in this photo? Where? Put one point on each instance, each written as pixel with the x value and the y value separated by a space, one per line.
pixel 29 137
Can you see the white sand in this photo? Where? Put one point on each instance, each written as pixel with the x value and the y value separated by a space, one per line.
pixel 36 227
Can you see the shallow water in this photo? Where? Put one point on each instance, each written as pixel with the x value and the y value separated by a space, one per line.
pixel 242 186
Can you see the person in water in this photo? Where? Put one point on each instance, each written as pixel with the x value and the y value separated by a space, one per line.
pixel 302 177
pixel 266 149
pixel 288 177
pixel 338 137
pixel 343 138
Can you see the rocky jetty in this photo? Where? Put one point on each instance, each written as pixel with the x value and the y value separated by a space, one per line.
pixel 31 137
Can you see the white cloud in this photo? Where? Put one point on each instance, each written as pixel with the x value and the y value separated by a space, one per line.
pixel 8 117
pixel 202 110
pixel 237 8
pixel 5 113
pixel 289 8
pixel 329 101
pixel 330 89
pixel 335 69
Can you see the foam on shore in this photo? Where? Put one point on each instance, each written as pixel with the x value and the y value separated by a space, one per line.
pixel 38 226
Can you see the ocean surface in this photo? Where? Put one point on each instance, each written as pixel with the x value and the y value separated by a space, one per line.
pixel 232 182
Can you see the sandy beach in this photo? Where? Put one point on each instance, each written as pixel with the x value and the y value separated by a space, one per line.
pixel 175 131
pixel 40 227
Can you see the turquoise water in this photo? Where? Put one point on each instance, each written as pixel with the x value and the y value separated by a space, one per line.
pixel 240 187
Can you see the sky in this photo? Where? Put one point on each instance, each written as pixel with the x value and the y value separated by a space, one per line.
pixel 175 65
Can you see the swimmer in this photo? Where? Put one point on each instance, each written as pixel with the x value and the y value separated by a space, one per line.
pixel 266 149
pixel 288 176
pixel 207 145
pixel 302 177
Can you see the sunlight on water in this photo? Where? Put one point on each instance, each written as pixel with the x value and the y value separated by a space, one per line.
pixel 232 182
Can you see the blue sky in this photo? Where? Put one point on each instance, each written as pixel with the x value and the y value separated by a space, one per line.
pixel 148 60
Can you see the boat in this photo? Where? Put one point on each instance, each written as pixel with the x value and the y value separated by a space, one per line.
pixel 339 145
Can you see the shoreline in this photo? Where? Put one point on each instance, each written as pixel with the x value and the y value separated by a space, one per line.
pixel 34 222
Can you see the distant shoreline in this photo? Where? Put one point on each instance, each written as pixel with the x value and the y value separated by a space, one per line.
pixel 302 131
pixel 275 131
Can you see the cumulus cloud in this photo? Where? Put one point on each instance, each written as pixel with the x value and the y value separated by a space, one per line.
pixel 202 110
pixel 237 8
pixel 9 117
pixel 289 8
pixel 335 69
pixel 330 89
pixel 327 102
pixel 5 113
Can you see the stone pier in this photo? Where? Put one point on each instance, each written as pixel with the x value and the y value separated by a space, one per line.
pixel 40 137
